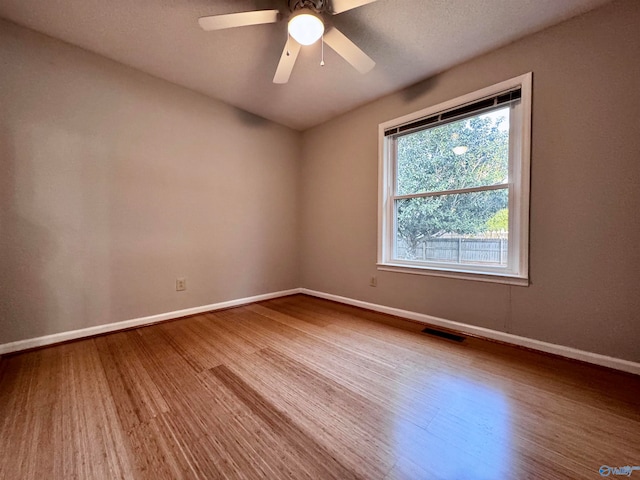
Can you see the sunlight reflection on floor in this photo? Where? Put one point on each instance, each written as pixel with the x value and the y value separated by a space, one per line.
pixel 467 439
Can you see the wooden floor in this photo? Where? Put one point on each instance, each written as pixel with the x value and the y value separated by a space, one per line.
pixel 305 388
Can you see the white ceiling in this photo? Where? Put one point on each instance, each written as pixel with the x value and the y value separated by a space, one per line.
pixel 409 39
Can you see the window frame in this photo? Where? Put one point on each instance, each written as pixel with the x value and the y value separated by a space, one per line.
pixel 517 272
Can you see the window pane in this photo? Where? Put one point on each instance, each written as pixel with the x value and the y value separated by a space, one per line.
pixel 462 229
pixel 472 152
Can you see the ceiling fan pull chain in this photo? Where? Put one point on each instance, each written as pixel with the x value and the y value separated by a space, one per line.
pixel 288 40
pixel 322 60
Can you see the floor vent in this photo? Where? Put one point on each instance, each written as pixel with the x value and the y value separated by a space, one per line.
pixel 441 334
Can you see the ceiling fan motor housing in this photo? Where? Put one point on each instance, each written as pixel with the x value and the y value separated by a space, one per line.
pixel 317 6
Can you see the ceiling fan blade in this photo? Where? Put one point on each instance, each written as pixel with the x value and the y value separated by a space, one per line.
pixel 219 22
pixel 348 50
pixel 339 6
pixel 287 61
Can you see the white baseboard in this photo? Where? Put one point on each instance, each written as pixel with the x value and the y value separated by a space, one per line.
pixel 136 322
pixel 560 350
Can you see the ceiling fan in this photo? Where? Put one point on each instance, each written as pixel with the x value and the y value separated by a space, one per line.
pixel 306 25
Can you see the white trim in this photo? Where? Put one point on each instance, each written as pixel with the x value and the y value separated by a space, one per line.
pixel 458 274
pixel 136 322
pixel 560 350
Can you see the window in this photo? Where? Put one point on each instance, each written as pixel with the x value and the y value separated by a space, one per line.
pixel 454 187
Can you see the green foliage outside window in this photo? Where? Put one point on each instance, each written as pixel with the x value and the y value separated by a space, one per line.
pixel 426 162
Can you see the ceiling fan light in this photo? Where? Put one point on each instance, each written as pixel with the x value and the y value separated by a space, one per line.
pixel 306 28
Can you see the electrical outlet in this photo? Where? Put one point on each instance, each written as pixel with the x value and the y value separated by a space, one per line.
pixel 181 284
pixel 373 282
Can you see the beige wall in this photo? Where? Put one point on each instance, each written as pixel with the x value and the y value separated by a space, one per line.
pixel 585 192
pixel 114 183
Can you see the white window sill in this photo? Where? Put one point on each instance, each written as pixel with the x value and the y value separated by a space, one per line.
pixel 461 275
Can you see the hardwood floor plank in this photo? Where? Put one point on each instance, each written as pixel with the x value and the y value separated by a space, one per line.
pixel 285 306
pixel 297 321
pixel 155 454
pixel 178 383
pixel 379 383
pixel 406 469
pixel 314 453
pixel 194 348
pixel 23 431
pixel 348 425
pixel 89 416
pixel 138 397
pixel 400 342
